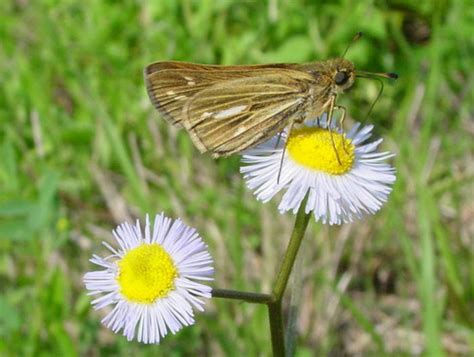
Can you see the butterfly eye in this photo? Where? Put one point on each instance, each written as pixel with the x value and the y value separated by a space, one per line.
pixel 341 78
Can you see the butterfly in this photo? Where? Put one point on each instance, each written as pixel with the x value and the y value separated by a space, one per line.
pixel 228 109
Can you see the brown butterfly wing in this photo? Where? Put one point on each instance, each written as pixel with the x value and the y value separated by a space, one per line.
pixel 234 115
pixel 171 84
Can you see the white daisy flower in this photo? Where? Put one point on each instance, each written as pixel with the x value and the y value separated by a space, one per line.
pixel 152 280
pixel 342 187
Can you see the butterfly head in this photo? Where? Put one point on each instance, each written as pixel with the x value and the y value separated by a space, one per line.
pixel 342 74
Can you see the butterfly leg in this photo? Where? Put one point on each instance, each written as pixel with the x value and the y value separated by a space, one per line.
pixel 290 128
pixel 278 139
pixel 329 123
pixel 341 123
pixel 343 116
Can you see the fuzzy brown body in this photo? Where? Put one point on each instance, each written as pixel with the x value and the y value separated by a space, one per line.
pixel 227 109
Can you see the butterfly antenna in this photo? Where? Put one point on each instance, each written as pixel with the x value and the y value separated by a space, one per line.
pixel 354 39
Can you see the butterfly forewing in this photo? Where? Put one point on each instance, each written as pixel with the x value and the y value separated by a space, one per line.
pixel 233 115
pixel 171 84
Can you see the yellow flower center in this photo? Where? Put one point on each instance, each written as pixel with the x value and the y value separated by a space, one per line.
pixel 146 273
pixel 313 147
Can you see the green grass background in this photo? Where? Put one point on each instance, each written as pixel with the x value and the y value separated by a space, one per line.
pixel 81 149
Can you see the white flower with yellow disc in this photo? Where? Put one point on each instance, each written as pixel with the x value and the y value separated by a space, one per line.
pixel 343 175
pixel 153 281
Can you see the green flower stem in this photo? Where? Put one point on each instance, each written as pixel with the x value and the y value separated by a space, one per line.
pixel 294 244
pixel 277 330
pixel 242 295
pixel 274 301
pixel 274 308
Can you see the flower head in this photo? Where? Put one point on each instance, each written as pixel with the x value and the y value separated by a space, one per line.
pixel 152 280
pixel 343 175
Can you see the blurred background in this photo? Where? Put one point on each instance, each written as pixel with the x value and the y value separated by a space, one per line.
pixel 83 149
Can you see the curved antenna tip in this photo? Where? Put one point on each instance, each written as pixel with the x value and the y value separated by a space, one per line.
pixel 355 38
